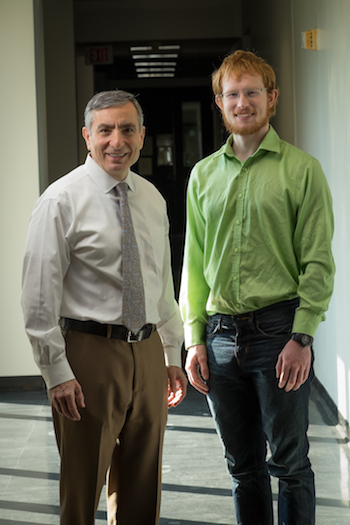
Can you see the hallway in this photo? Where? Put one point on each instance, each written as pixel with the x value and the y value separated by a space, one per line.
pixel 196 487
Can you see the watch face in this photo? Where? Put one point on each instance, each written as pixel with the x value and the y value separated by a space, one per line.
pixel 305 340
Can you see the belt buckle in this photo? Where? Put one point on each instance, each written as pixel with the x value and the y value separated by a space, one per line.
pixel 133 338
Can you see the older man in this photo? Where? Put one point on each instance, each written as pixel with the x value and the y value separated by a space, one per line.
pixel 99 310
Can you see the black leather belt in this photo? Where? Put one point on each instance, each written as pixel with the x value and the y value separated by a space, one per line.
pixel 111 331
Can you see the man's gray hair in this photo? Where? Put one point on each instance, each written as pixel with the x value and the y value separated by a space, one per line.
pixel 109 99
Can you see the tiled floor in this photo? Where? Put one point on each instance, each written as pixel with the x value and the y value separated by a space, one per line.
pixel 196 487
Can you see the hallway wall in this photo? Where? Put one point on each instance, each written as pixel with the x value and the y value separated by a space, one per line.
pixel 60 87
pixel 38 140
pixel 317 119
pixel 19 174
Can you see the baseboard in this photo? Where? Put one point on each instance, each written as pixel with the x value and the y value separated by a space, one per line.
pixel 22 383
pixel 329 409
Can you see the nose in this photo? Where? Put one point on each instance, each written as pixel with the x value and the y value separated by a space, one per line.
pixel 242 99
pixel 116 138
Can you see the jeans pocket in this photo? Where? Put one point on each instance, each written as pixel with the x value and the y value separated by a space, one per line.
pixel 275 330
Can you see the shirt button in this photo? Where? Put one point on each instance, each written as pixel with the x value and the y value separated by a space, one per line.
pixel 236 250
pixel 240 195
pixel 238 223
pixel 244 170
pixel 237 305
pixel 235 277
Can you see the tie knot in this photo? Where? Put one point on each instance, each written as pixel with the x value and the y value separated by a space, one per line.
pixel 122 187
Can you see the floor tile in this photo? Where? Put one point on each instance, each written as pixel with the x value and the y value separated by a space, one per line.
pixel 196 485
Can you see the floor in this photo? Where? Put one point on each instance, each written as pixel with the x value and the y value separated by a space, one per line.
pixel 196 487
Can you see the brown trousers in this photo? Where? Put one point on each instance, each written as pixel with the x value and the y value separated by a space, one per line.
pixel 120 434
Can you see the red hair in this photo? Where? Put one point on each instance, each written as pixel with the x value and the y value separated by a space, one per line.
pixel 242 63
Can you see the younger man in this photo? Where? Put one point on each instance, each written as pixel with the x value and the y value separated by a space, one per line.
pixel 257 279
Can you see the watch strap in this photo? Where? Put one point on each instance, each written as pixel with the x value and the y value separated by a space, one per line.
pixel 302 339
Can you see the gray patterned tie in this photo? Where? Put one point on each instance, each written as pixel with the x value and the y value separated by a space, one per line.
pixel 134 313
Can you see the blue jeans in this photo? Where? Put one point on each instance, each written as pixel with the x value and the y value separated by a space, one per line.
pixel 249 409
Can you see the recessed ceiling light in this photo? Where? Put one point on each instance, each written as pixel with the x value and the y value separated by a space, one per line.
pixel 154 69
pixel 155 75
pixel 145 64
pixel 155 55
pixel 141 48
pixel 169 47
pixel 150 67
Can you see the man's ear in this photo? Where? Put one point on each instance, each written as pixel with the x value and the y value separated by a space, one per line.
pixel 273 96
pixel 218 101
pixel 86 135
pixel 143 134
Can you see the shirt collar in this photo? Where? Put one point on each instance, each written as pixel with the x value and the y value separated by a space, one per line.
pixel 102 179
pixel 271 142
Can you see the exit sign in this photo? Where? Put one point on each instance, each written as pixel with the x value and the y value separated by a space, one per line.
pixel 95 55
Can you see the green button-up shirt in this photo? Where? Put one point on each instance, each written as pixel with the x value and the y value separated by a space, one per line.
pixel 258 232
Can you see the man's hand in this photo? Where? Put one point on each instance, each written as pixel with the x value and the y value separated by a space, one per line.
pixel 177 386
pixel 66 398
pixel 197 367
pixel 293 366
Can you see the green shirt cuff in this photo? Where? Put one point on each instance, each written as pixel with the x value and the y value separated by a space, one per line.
pixel 195 334
pixel 306 321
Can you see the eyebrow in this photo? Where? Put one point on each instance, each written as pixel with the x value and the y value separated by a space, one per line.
pixel 123 125
pixel 105 125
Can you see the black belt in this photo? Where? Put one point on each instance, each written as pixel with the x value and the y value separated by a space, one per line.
pixel 111 331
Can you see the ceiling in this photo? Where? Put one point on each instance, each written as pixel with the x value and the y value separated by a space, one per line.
pixel 201 42
pixel 189 59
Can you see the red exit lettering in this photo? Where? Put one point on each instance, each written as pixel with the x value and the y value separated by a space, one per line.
pixel 99 55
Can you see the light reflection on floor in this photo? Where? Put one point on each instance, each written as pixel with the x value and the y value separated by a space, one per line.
pixel 196 486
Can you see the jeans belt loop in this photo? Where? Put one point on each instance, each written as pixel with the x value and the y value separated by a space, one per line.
pixel 251 322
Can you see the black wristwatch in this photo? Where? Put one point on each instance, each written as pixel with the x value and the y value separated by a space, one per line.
pixel 302 339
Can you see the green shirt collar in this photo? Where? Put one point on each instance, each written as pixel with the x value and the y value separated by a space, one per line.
pixel 271 142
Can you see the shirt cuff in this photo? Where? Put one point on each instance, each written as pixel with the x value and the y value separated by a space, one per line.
pixel 306 321
pixel 195 334
pixel 57 374
pixel 173 357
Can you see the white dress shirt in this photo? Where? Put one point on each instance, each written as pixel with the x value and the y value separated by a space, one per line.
pixel 72 263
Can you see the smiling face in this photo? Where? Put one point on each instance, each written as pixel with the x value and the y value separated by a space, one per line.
pixel 243 115
pixel 115 139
